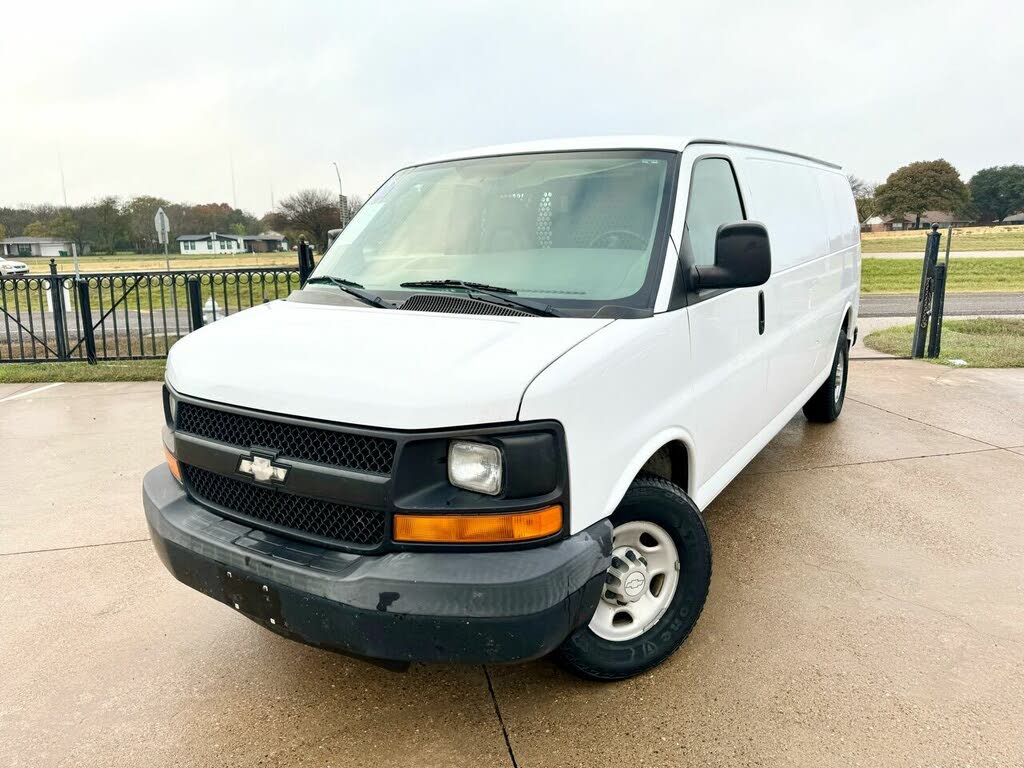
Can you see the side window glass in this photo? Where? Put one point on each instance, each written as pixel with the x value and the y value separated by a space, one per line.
pixel 714 200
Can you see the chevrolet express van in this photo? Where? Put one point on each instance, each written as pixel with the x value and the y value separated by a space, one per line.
pixel 485 428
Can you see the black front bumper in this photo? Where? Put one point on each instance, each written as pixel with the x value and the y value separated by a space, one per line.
pixel 500 606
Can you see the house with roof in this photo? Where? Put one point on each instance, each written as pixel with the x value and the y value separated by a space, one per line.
pixel 212 242
pixel 907 221
pixel 220 243
pixel 265 242
pixel 26 247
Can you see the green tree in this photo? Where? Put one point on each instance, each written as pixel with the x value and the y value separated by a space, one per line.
pixel 36 229
pixel 3 231
pixel 998 192
pixel 238 228
pixel 137 214
pixel 931 185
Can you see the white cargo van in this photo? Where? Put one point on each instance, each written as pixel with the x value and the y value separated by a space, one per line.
pixel 486 427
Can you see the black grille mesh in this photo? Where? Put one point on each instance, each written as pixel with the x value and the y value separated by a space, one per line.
pixel 324 446
pixel 347 525
pixel 426 302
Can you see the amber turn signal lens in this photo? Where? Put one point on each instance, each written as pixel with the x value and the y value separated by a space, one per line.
pixel 173 464
pixel 479 529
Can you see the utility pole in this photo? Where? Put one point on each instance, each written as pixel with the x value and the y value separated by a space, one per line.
pixel 342 206
pixel 63 186
pixel 234 194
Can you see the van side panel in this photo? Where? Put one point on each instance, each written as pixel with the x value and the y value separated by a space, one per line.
pixel 811 220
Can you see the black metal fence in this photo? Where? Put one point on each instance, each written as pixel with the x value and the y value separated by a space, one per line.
pixel 125 315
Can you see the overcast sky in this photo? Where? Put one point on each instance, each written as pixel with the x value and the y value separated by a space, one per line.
pixel 156 98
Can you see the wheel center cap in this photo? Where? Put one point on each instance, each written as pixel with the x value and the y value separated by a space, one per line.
pixel 634 583
pixel 627 579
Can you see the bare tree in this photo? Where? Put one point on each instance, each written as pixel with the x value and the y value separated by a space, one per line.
pixel 309 213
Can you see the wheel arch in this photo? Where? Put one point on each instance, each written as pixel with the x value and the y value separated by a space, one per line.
pixel 669 454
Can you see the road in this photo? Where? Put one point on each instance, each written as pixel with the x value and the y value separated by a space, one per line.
pixel 905 304
pixel 865 609
pixel 954 255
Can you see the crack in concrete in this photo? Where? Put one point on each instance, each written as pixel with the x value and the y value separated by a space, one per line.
pixel 924 423
pixel 501 720
pixel 77 546
pixel 874 461
pixel 955 617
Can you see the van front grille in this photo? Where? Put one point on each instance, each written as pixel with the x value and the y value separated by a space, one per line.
pixel 308 443
pixel 315 517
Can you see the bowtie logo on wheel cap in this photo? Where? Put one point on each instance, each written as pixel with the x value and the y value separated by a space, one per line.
pixel 262 469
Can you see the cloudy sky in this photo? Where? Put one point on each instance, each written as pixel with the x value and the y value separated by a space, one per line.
pixel 158 98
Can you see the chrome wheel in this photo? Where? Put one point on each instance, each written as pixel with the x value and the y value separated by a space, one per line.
pixel 640 583
pixel 837 387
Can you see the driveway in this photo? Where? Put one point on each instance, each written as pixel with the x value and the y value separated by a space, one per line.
pixel 866 608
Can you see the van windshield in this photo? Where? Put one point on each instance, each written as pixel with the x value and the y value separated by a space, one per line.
pixel 574 230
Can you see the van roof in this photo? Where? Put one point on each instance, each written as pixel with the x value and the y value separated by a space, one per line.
pixel 671 143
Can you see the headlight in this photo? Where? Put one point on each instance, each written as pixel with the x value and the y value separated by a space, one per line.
pixel 170 407
pixel 475 467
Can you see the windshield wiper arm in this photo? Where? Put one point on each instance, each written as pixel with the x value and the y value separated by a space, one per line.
pixel 457 284
pixel 353 289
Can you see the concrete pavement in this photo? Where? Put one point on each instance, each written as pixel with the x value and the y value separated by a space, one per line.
pixel 905 304
pixel 865 609
pixel 952 256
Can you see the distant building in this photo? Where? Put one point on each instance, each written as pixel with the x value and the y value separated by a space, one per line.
pixel 211 243
pixel 892 223
pixel 34 246
pixel 265 241
pixel 219 243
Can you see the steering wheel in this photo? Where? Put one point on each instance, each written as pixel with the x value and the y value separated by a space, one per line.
pixel 621 239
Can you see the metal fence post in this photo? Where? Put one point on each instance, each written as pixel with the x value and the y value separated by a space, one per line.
pixel 195 303
pixel 304 262
pixel 60 327
pixel 938 305
pixel 924 297
pixel 85 308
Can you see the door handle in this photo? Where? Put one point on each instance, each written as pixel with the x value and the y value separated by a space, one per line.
pixel 760 313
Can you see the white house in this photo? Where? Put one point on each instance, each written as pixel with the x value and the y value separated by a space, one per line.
pixel 34 246
pixel 211 243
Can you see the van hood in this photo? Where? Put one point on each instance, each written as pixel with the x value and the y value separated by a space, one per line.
pixel 372 367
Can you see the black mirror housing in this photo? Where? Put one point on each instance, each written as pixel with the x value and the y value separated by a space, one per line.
pixel 743 258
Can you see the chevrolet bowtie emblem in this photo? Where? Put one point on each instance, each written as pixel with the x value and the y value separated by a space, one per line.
pixel 262 469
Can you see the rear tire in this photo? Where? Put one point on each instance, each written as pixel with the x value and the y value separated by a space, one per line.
pixel 826 404
pixel 659 535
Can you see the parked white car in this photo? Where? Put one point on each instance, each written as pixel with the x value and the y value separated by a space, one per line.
pixel 10 268
pixel 487 426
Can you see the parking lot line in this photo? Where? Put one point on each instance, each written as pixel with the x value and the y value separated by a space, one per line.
pixel 26 393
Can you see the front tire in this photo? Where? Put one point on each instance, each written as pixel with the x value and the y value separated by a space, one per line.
pixel 655 588
pixel 826 404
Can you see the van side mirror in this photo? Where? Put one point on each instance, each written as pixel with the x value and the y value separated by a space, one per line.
pixel 743 258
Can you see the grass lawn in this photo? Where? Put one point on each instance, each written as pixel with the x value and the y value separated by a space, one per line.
pixel 981 343
pixel 133 262
pixel 904 275
pixel 1001 238
pixel 126 370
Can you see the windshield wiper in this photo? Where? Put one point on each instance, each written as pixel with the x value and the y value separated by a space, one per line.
pixel 353 289
pixel 457 284
pixel 492 294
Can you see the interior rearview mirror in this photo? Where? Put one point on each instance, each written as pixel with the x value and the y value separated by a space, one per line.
pixel 743 258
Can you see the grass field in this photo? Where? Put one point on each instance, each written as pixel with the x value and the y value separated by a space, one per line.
pixel 1003 238
pixel 132 262
pixel 128 370
pixel 965 275
pixel 981 343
